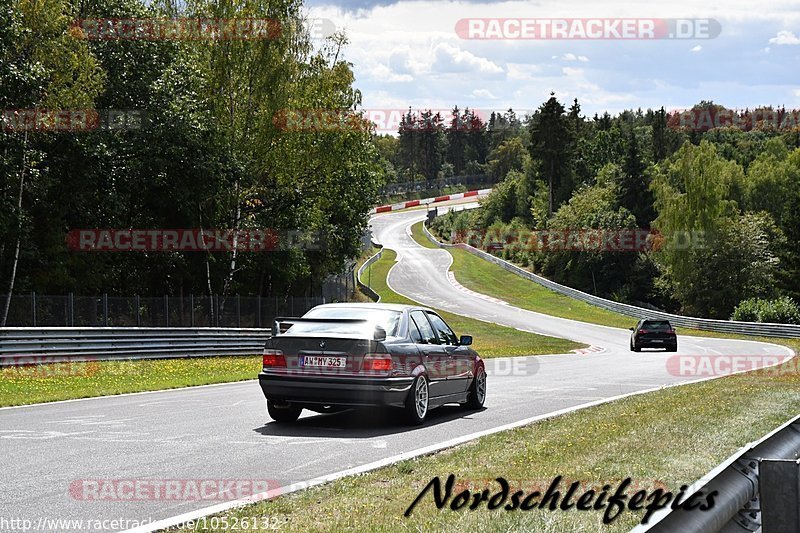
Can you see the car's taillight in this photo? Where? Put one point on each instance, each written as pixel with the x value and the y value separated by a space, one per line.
pixel 274 358
pixel 643 331
pixel 377 362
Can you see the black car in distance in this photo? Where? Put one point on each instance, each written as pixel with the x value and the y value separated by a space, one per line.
pixel 654 334
pixel 338 356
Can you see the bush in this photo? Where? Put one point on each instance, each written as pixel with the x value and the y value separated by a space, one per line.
pixel 782 310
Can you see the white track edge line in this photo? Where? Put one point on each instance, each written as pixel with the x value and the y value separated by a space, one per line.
pixel 427 450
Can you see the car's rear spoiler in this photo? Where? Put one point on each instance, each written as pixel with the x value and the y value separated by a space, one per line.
pixel 277 326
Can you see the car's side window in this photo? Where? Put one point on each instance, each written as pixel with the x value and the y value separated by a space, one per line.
pixel 413 331
pixel 444 332
pixel 428 335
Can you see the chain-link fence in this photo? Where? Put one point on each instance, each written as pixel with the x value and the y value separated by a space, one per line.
pixel 392 189
pixel 167 311
pixel 340 287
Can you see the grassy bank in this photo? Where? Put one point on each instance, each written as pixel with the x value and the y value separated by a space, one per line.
pixel 488 278
pixel 491 340
pixel 23 385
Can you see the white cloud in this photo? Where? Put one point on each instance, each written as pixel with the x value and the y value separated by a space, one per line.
pixel 696 48
pixel 402 62
pixel 450 59
pixel 797 93
pixel 522 71
pixel 384 73
pixel 785 37
pixel 483 94
pixel 572 57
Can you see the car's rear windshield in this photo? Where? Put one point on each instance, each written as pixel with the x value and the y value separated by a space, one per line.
pixel 387 319
pixel 660 325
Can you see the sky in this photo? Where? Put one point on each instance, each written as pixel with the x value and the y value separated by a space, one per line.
pixel 410 54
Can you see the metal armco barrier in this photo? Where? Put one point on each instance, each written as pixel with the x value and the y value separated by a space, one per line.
pixel 59 344
pixel 365 288
pixel 721 326
pixel 755 490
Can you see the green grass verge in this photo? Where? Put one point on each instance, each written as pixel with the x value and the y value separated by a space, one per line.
pixel 491 340
pixel 488 278
pixel 24 385
pixel 670 437
pixel 485 277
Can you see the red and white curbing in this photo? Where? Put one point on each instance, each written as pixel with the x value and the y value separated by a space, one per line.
pixel 425 201
pixel 590 349
pixel 460 287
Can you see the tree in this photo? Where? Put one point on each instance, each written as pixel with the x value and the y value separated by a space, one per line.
pixel 431 144
pixel 635 193
pixel 43 67
pixel 551 145
pixel 510 155
pixel 712 256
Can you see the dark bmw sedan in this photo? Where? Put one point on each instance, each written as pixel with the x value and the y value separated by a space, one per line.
pixel 339 356
pixel 654 334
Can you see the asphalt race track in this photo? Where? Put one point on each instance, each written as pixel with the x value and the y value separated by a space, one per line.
pixel 224 432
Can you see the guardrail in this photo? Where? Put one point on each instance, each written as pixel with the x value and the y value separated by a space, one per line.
pixel 18 345
pixel 757 488
pixel 721 326
pixel 366 289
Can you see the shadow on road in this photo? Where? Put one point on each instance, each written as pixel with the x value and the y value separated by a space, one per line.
pixel 359 423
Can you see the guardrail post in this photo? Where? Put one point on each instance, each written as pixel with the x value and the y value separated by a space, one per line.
pixel 191 310
pixel 779 487
pixel 258 311
pixel 238 311
pixel 33 307
pixel 105 309
pixel 138 311
pixel 166 310
pixel 71 310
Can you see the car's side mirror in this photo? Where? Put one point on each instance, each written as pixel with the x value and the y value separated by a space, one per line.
pixel 465 340
pixel 379 334
pixel 632 329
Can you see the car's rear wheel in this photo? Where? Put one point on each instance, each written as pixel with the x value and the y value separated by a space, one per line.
pixel 634 347
pixel 672 348
pixel 417 401
pixel 477 391
pixel 283 413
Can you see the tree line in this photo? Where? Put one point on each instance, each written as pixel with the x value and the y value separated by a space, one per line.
pixel 209 154
pixel 719 204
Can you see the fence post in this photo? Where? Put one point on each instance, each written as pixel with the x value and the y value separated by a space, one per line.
pixel 33 307
pixel 258 311
pixel 166 310
pixel 138 311
pixel 191 310
pixel 105 309
pixel 238 311
pixel 217 310
pixel 71 310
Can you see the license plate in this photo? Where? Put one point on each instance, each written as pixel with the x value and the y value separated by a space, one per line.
pixel 324 361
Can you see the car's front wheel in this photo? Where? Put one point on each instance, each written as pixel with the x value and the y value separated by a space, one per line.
pixel 477 391
pixel 283 413
pixel 417 401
